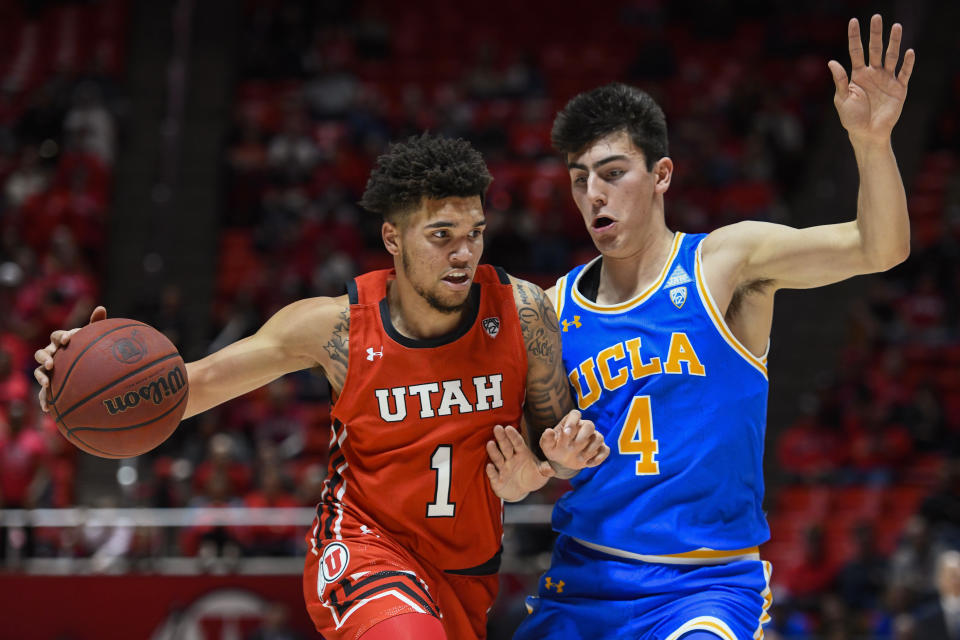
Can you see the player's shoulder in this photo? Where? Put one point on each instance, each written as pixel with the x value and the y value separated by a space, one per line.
pixel 534 307
pixel 527 294
pixel 737 237
pixel 302 321
pixel 316 311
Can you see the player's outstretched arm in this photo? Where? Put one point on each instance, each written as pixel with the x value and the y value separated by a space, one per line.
pixel 869 103
pixel 304 334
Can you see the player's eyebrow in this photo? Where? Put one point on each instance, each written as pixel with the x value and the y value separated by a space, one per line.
pixel 446 224
pixel 598 163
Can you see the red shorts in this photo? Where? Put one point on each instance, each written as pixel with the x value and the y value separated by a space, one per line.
pixel 364 577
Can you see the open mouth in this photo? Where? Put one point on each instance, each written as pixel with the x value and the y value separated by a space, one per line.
pixel 602 221
pixel 457 278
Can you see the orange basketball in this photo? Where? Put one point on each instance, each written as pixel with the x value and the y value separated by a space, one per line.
pixel 118 389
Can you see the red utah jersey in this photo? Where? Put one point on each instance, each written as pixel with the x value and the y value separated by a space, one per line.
pixel 410 425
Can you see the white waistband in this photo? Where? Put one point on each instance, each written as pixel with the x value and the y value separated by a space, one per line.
pixel 700 556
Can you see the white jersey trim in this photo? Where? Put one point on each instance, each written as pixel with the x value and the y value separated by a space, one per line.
pixel 634 302
pixel 561 295
pixel 757 362
pixel 695 558
pixel 714 625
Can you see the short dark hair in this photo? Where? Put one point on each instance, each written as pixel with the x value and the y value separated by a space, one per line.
pixel 591 115
pixel 425 166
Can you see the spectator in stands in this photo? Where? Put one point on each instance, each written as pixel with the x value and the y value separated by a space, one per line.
pixel 24 479
pixel 940 620
pixel 862 580
pixel 811 448
pixel 14 384
pixel 30 178
pixel 814 573
pixel 913 563
pixel 942 509
pixel 292 153
pixel 213 542
pixel 24 458
pixel 280 421
pixel 877 445
pixel 90 123
pixel 222 463
pixel 273 540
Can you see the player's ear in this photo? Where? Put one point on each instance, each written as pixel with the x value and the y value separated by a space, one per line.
pixel 391 237
pixel 663 172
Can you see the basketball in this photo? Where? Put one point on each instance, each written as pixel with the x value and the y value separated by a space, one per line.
pixel 118 388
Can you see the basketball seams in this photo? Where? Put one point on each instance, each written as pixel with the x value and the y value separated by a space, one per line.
pixel 70 430
pixel 138 371
pixel 89 448
pixel 63 384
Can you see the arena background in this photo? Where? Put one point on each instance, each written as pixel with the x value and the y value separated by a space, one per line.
pixel 195 164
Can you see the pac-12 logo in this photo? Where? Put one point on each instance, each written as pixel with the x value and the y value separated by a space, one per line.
pixel 491 326
pixel 334 562
pixel 678 296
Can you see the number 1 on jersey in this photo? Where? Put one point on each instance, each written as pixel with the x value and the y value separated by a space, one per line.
pixel 636 437
pixel 441 507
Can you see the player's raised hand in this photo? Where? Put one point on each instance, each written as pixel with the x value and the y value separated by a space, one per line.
pixel 44 357
pixel 870 102
pixel 573 444
pixel 514 470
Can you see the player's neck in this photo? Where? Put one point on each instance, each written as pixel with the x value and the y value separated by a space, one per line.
pixel 624 278
pixel 414 317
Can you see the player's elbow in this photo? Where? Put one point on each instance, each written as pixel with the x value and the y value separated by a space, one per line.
pixel 887 257
pixel 890 258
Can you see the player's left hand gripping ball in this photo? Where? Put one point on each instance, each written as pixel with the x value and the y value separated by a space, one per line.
pixel 574 443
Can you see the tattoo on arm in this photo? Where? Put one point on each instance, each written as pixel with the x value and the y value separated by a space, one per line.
pixel 548 396
pixel 338 350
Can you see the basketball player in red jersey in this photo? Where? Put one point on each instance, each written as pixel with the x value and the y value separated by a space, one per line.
pixel 423 360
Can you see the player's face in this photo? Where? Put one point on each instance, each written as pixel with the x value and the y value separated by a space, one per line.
pixel 617 195
pixel 439 247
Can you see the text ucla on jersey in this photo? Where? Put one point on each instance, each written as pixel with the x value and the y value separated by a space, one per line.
pixel 682 405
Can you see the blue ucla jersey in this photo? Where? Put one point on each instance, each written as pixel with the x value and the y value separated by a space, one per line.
pixel 682 405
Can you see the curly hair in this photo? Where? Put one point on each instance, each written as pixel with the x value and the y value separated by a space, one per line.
pixel 594 114
pixel 425 166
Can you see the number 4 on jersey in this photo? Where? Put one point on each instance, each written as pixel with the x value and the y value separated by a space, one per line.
pixel 636 437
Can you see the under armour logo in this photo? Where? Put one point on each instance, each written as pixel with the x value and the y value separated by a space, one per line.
pixel 550 584
pixel 371 354
pixel 576 324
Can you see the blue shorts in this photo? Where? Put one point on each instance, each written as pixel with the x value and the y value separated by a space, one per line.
pixel 590 594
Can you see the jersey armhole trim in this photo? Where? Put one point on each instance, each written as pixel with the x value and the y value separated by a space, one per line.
pixel 561 295
pixel 720 324
pixel 504 278
pixel 352 294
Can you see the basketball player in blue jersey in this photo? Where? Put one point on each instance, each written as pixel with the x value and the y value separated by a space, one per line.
pixel 665 339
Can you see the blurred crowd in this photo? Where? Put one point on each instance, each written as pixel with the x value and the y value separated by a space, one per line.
pixel 60 67
pixel 868 512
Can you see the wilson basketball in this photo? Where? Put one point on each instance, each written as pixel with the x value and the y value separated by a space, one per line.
pixel 118 389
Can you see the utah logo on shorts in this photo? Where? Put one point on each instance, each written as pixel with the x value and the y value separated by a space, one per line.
pixel 491 326
pixel 334 562
pixel 678 295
